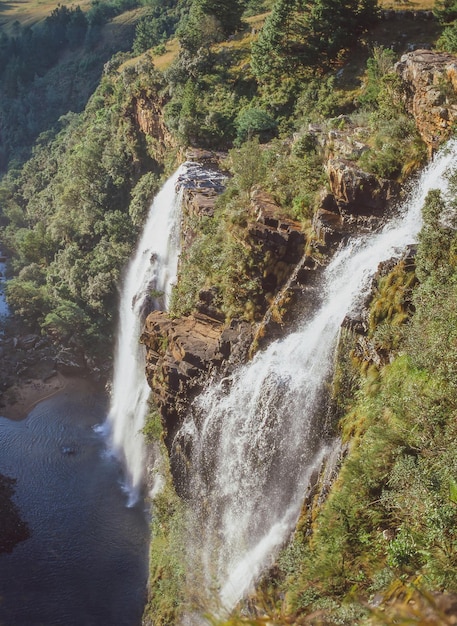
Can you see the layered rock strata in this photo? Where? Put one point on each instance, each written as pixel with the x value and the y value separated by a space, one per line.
pixel 181 355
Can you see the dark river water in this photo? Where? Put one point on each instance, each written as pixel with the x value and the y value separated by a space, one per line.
pixel 85 563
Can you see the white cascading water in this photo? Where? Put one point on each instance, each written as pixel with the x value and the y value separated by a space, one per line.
pixel 257 436
pixel 147 284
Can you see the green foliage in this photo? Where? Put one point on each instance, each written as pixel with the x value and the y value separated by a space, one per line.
pixel 153 428
pixel 448 39
pixel 295 175
pixel 298 35
pixel 28 299
pixel 445 10
pixel 227 12
pixel 252 122
pixel 378 66
pixel 391 307
pixel 167 553
pixel 391 514
pixel 142 196
pixel 167 549
pixel 221 256
pixel 157 25
pixel 46 71
pixel 434 324
pixel 75 222
pixel 397 148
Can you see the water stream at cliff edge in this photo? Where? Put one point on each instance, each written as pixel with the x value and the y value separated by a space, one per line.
pixel 257 436
pixel 146 286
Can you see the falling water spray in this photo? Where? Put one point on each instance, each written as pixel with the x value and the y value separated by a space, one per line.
pixel 257 436
pixel 147 284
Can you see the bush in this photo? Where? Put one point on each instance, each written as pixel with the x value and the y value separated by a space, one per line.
pixel 254 122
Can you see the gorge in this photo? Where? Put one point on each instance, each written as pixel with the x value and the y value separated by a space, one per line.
pixel 279 445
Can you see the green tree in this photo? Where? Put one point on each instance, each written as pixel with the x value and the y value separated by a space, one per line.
pixel 301 34
pixel 253 122
pixel 272 52
pixel 227 12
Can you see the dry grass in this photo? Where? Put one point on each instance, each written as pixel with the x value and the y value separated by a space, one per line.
pixel 411 5
pixel 29 12
pixel 164 61
pixel 240 41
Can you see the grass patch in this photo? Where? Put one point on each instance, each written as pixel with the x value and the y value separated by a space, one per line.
pixel 30 12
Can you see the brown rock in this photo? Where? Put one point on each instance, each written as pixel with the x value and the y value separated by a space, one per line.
pixel 356 192
pixel 277 234
pixel 202 184
pixel 430 79
pixel 180 357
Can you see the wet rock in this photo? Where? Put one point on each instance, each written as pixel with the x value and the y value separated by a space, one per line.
pixel 181 355
pixel 28 342
pixel 13 529
pixel 328 226
pixel 201 185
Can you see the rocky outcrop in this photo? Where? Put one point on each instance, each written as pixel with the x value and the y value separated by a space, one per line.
pixel 281 240
pixel 202 183
pixel 358 193
pixel 358 201
pixel 279 234
pixel 180 357
pixel 150 120
pixel 430 80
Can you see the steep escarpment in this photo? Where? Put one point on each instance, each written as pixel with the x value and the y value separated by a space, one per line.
pixel 310 571
pixel 303 152
pixel 284 263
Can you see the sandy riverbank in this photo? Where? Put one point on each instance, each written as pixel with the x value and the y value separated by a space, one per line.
pixel 20 399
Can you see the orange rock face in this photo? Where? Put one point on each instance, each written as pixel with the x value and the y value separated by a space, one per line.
pixel 430 79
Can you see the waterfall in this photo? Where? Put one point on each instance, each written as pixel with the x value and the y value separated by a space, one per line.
pixel 147 285
pixel 256 437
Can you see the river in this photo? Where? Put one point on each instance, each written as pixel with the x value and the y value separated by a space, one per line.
pixel 85 563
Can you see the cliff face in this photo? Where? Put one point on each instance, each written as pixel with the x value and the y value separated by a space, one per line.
pixel 430 82
pixel 183 353
pixel 148 115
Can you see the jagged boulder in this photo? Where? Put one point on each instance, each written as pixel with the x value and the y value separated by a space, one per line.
pixel 280 240
pixel 430 80
pixel 357 201
pixel 358 193
pixel 180 357
pixel 281 234
pixel 70 362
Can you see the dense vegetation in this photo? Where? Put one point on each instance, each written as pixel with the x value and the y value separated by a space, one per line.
pixel 71 213
pixel 51 68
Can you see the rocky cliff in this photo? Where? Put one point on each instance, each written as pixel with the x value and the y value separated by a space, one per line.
pixel 183 353
pixel 430 84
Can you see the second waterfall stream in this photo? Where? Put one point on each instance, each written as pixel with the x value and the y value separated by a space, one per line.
pixel 147 284
pixel 256 437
